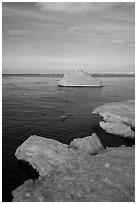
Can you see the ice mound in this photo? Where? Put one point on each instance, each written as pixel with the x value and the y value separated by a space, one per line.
pixel 79 78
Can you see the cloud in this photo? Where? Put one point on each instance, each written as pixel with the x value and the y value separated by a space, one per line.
pixel 121 41
pixel 75 7
pixel 67 32
pixel 127 42
pixel 97 41
pixel 16 34
pixel 131 45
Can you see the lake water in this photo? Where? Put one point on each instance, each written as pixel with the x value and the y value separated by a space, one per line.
pixel 34 105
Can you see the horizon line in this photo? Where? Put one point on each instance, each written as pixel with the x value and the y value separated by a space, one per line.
pixel 124 72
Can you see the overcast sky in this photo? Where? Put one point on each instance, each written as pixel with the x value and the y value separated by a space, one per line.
pixel 58 37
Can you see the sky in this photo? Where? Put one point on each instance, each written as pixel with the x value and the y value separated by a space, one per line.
pixel 57 37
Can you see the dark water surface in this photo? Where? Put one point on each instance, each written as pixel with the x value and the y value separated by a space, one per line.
pixel 34 105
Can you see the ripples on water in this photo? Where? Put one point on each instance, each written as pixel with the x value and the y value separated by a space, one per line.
pixel 34 105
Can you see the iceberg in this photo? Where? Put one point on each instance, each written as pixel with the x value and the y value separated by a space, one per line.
pixel 118 118
pixel 72 175
pixel 79 78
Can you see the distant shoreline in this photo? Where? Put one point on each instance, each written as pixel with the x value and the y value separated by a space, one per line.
pixel 131 74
